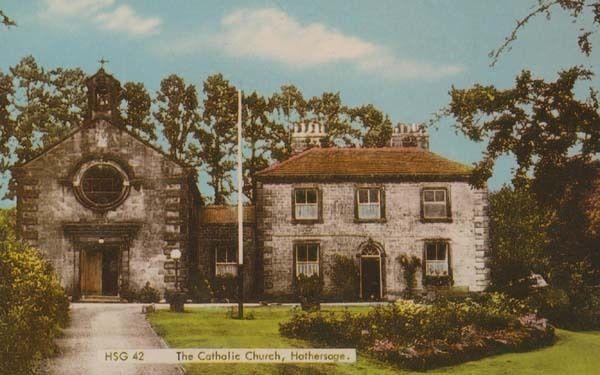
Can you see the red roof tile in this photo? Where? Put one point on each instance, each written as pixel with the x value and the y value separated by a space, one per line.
pixel 388 162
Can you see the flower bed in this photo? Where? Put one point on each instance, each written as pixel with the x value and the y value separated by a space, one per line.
pixel 426 336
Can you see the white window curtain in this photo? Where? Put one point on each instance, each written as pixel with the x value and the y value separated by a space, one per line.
pixel 436 259
pixel 226 260
pixel 307 259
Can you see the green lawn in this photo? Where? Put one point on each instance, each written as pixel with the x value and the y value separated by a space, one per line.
pixel 574 353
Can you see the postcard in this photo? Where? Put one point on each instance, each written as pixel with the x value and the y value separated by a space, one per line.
pixel 299 187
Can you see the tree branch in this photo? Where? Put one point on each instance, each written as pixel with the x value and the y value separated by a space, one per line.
pixel 6 21
pixel 542 8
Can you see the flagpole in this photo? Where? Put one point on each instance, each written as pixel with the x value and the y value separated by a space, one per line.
pixel 240 207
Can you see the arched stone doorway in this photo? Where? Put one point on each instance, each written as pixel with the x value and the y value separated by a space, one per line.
pixel 371 260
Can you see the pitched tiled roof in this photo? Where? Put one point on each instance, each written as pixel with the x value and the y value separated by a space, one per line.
pixel 217 214
pixel 348 163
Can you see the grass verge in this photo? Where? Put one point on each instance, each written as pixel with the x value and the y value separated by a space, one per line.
pixel 574 352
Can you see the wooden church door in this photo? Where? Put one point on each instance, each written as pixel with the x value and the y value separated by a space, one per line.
pixel 91 272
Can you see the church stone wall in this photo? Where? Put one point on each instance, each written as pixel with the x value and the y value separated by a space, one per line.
pixel 402 232
pixel 160 201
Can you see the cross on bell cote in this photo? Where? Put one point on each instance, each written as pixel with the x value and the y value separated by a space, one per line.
pixel 104 95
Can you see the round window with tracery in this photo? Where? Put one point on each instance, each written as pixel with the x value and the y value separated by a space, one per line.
pixel 102 185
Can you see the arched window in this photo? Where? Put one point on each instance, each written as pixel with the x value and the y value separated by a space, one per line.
pixel 370 251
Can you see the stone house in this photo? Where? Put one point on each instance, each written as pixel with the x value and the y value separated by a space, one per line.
pixel 106 207
pixel 371 205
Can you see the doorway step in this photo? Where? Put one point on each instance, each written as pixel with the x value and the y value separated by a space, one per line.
pixel 100 299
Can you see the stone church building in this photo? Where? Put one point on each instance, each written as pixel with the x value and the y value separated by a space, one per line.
pixel 107 208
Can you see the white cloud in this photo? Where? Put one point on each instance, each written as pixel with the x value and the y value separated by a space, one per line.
pixel 123 18
pixel 273 35
pixel 74 8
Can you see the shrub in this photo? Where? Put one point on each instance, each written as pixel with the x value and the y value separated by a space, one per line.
pixel 426 336
pixel 569 310
pixel 148 294
pixel 225 287
pixel 173 296
pixel 443 280
pixel 409 265
pixel 586 313
pixel 345 278
pixel 176 300
pixel 129 294
pixel 550 303
pixel 308 290
pixel 201 291
pixel 33 308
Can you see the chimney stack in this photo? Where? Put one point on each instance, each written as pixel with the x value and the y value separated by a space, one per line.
pixel 307 135
pixel 410 135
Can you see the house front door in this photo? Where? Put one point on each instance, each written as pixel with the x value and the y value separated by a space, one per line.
pixel 371 278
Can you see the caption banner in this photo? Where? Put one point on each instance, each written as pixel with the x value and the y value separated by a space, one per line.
pixel 274 355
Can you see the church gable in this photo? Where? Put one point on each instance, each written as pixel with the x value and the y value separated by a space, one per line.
pixel 102 137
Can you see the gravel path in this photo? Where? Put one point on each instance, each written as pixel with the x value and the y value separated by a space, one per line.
pixel 97 326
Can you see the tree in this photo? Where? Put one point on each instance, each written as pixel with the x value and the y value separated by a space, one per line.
pixel 67 102
pixel 518 239
pixel 217 136
pixel 256 125
pixel 577 9
pixel 327 109
pixel 549 130
pixel 136 110
pixel 5 20
pixel 554 135
pixel 6 129
pixel 288 108
pixel 177 112
pixel 38 107
pixel 376 126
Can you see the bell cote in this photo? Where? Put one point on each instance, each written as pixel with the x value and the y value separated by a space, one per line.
pixel 104 96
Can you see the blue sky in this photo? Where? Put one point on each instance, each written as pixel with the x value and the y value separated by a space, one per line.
pixel 402 56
